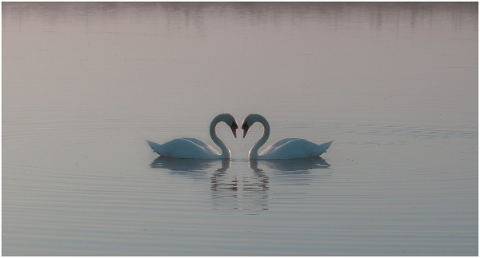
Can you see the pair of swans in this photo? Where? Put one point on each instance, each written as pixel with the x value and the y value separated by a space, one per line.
pixel 191 148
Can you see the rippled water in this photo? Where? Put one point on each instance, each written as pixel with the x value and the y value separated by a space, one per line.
pixel 394 85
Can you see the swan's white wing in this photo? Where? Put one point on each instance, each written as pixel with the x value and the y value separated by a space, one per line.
pixel 185 148
pixel 281 142
pixel 294 148
pixel 203 144
pixel 273 147
pixel 196 141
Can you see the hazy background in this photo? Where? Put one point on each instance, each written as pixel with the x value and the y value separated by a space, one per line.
pixel 395 85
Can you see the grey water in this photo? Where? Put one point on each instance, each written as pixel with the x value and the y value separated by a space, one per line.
pixel 394 85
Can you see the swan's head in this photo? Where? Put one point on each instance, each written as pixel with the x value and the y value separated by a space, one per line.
pixel 245 127
pixel 234 128
pixel 230 121
pixel 249 121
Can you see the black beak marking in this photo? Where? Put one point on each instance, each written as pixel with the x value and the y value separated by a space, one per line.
pixel 245 129
pixel 234 128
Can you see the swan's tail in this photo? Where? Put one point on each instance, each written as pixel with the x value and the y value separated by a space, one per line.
pixel 155 147
pixel 323 147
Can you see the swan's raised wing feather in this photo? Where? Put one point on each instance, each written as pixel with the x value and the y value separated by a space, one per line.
pixel 155 147
pixel 323 147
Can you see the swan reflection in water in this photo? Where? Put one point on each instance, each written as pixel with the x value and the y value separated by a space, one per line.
pixel 247 191
pixel 229 192
pixel 189 167
pixel 291 165
pixel 294 171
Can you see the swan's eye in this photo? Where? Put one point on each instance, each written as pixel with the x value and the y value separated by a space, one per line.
pixel 245 126
pixel 234 126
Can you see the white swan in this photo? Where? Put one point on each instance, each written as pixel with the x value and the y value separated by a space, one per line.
pixel 290 148
pixel 191 148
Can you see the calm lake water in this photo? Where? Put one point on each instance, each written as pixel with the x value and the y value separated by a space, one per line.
pixel 394 85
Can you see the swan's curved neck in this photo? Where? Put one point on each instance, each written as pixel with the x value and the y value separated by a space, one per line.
pixel 225 152
pixel 253 154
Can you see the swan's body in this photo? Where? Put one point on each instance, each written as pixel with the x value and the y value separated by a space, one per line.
pixel 185 148
pixel 191 148
pixel 293 148
pixel 290 148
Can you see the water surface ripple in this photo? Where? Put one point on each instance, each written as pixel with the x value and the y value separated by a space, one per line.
pixel 394 85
